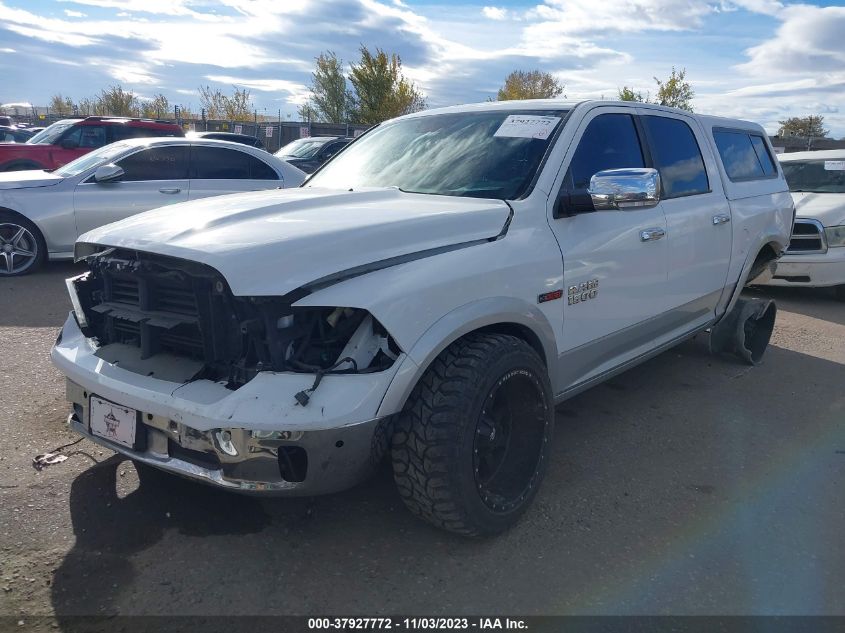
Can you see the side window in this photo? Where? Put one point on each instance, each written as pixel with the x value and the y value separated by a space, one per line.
pixel 676 156
pixel 763 155
pixel 330 150
pixel 217 163
pixel 609 142
pixel 156 163
pixel 259 170
pixel 740 157
pixel 92 136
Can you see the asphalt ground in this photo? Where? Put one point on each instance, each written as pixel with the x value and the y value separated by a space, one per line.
pixel 691 485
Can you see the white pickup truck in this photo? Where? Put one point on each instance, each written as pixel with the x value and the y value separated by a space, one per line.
pixel 432 292
pixel 816 253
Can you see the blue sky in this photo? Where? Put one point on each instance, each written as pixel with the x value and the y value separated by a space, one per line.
pixel 756 59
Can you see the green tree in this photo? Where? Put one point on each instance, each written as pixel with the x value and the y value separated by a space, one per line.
pixel 156 108
pixel 116 101
pixel 331 101
pixel 628 94
pixel 676 91
pixel 529 84
pixel 238 107
pixel 61 105
pixel 381 90
pixel 811 126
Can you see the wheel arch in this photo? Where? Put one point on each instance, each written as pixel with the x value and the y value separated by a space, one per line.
pixel 500 315
pixel 758 262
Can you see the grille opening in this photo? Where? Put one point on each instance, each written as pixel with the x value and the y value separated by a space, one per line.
pixel 183 309
pixel 806 237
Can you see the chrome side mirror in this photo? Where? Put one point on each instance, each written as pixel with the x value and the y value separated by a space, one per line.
pixel 619 189
pixel 108 173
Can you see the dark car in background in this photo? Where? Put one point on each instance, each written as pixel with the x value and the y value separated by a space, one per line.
pixel 243 139
pixel 68 139
pixel 309 153
pixel 13 134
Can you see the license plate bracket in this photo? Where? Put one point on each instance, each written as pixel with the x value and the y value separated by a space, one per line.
pixel 114 422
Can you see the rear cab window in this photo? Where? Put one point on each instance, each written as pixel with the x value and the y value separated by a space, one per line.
pixel 744 154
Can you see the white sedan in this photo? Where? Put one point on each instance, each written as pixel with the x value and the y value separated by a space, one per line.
pixel 42 213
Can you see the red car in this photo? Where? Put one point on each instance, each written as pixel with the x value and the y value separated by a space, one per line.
pixel 69 139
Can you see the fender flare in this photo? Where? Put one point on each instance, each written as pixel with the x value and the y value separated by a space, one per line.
pixel 460 322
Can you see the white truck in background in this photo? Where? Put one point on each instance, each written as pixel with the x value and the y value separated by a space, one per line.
pixel 432 292
pixel 816 253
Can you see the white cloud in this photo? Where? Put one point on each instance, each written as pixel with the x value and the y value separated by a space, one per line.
pixel 452 51
pixel 495 13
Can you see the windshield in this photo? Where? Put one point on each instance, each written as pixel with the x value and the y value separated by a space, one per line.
pixel 816 176
pixel 92 159
pixel 50 134
pixel 301 148
pixel 473 154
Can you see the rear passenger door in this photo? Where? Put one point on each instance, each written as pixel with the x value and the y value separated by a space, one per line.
pixel 698 217
pixel 220 170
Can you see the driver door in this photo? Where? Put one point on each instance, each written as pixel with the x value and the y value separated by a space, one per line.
pixel 153 177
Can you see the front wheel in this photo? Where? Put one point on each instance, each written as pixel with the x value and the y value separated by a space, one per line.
pixel 22 248
pixel 470 448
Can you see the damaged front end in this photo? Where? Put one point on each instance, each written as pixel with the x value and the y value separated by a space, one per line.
pixel 221 384
pixel 139 307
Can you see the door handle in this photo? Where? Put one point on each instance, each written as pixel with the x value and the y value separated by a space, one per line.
pixel 650 235
pixel 169 190
pixel 721 218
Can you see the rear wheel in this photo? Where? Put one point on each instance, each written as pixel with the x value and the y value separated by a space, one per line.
pixel 22 247
pixel 470 448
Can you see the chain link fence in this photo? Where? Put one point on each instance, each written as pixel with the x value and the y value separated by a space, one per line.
pixel 273 134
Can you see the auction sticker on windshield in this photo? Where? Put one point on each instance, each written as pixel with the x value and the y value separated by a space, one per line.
pixel 527 126
pixel 834 165
pixel 113 421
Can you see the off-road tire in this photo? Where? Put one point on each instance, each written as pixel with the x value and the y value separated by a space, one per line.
pixel 433 440
pixel 7 217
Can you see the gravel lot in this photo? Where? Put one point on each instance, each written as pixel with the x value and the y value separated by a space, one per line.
pixel 690 485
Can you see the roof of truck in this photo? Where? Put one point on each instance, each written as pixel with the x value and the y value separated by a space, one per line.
pixel 562 104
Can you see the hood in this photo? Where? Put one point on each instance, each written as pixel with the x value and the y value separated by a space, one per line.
pixel 827 208
pixel 272 242
pixel 28 178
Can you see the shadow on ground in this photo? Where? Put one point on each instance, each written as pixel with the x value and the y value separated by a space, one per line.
pixel 39 299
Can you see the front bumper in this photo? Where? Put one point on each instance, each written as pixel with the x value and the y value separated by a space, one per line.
pixel 243 440
pixel 817 270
